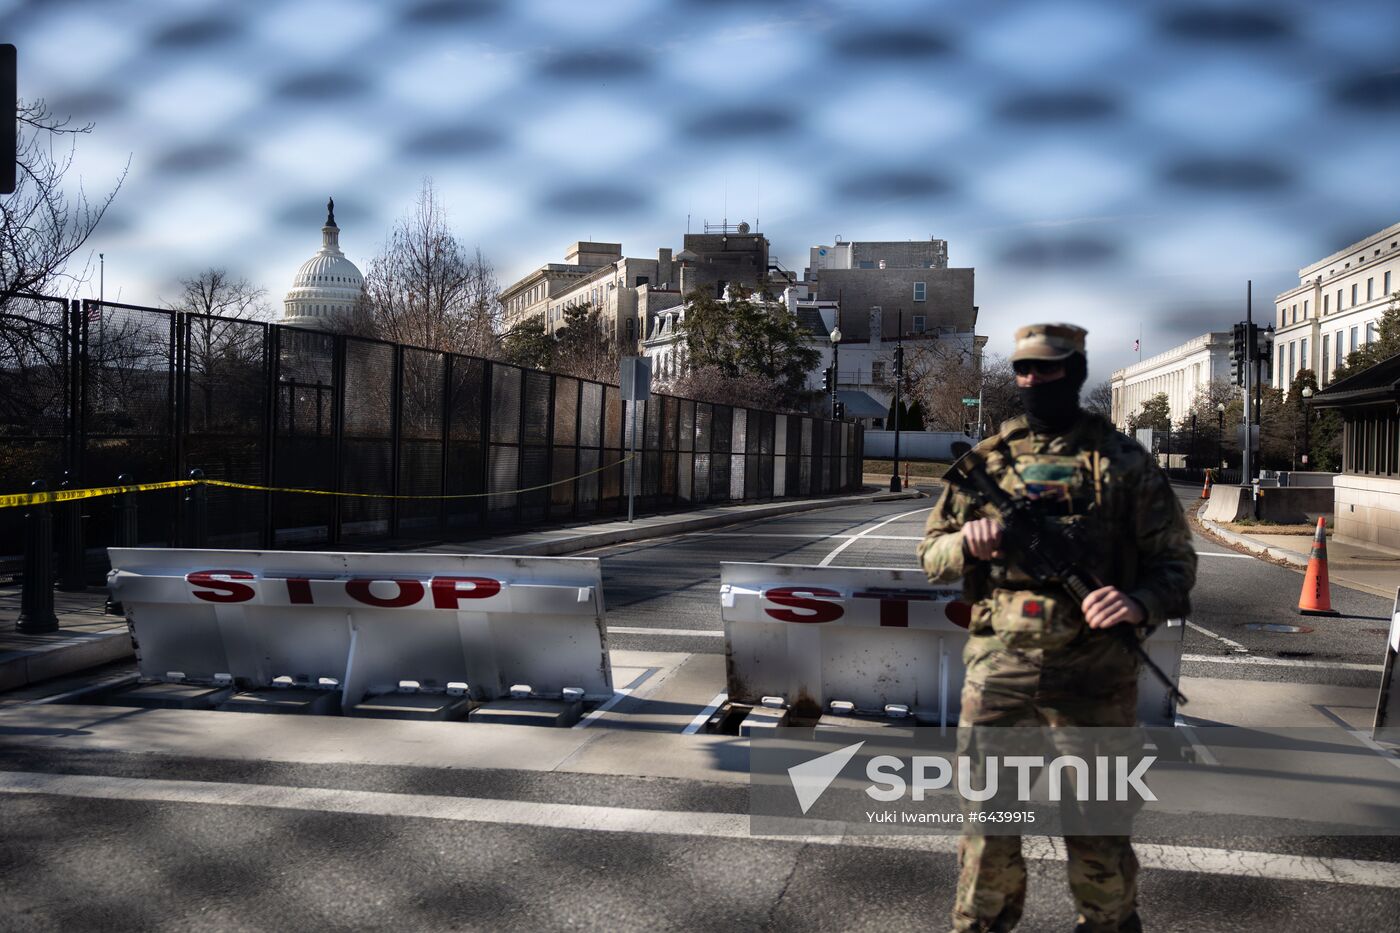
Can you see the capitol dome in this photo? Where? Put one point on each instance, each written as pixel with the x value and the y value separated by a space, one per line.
pixel 327 287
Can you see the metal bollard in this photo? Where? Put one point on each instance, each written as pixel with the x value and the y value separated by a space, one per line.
pixel 36 615
pixel 123 529
pixel 196 530
pixel 71 555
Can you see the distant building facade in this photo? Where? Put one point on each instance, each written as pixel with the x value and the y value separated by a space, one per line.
pixel 1335 307
pixel 327 288
pixel 1180 373
pixel 869 288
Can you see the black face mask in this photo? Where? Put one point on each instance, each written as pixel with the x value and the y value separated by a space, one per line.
pixel 1052 407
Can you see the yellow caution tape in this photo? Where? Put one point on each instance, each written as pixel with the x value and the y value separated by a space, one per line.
pixel 68 495
pixel 17 500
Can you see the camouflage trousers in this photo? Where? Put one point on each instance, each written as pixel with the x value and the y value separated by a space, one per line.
pixel 1103 871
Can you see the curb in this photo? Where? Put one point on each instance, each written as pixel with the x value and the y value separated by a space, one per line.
pixel 1254 547
pixel 72 654
pixel 1288 557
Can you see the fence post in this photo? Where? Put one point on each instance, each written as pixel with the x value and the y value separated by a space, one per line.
pixel 196 530
pixel 123 529
pixel 71 555
pixel 36 599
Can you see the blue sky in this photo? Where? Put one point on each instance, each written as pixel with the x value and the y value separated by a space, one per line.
pixel 1123 166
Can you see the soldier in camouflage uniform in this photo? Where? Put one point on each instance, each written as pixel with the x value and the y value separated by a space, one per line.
pixel 1033 657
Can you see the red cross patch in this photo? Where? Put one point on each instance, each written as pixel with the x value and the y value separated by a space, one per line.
pixel 1032 609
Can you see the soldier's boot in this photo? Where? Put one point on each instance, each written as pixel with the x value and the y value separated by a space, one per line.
pixel 991 884
pixel 1133 924
pixel 1103 878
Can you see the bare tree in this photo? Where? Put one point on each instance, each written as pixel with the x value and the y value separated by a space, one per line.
pixel 1099 399
pixel 427 290
pixel 941 375
pixel 225 347
pixel 41 224
pixel 214 291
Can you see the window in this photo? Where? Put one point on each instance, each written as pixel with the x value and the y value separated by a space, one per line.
pixel 1339 348
pixel 919 324
pixel 1326 351
pixel 1305 309
pixel 631 328
pixel 1355 290
pixel 1303 355
pixel 1370 332
pixel 1370 288
pixel 1353 338
pixel 1292 360
pixel 877 373
pixel 642 280
pixel 1339 299
pixel 1295 314
pixel 1386 288
pixel 1324 304
pixel 865 264
pixel 920 291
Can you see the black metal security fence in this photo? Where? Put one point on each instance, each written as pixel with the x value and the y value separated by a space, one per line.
pixel 93 391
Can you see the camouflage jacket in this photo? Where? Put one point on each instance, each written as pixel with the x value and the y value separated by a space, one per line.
pixel 1091 475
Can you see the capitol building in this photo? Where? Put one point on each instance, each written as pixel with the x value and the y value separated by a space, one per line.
pixel 327 287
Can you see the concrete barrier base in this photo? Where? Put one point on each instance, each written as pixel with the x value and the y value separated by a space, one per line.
pixel 1284 505
pixel 1228 504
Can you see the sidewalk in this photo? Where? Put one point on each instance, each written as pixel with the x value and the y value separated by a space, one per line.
pixel 1348 565
pixel 88 637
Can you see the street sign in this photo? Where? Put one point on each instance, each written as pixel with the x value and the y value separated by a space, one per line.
pixel 635 378
pixel 969 401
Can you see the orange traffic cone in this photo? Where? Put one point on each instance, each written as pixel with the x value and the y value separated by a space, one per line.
pixel 1316 598
pixel 1205 490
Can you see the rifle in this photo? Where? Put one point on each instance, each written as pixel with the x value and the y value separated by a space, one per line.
pixel 1046 552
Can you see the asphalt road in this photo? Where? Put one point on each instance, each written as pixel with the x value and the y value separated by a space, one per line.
pixel 147 841
pixel 1240 605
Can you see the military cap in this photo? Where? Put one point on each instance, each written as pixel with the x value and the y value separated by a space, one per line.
pixel 1048 342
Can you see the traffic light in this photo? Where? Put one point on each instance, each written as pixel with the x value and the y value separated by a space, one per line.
pixel 838 411
pixel 826 380
pixel 1237 366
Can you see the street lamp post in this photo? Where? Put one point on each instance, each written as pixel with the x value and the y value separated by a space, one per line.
pixel 1220 435
pixel 835 364
pixel 898 378
pixel 1307 423
pixel 1191 451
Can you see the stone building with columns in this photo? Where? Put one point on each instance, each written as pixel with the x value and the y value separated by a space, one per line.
pixel 1335 307
pixel 1180 373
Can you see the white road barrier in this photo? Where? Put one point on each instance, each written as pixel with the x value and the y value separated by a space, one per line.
pixel 1387 725
pixel 877 639
pixel 367 624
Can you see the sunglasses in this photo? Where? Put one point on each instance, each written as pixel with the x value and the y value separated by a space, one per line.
pixel 1039 367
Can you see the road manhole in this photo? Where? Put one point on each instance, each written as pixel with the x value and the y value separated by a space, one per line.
pixel 1278 628
pixel 1378 631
